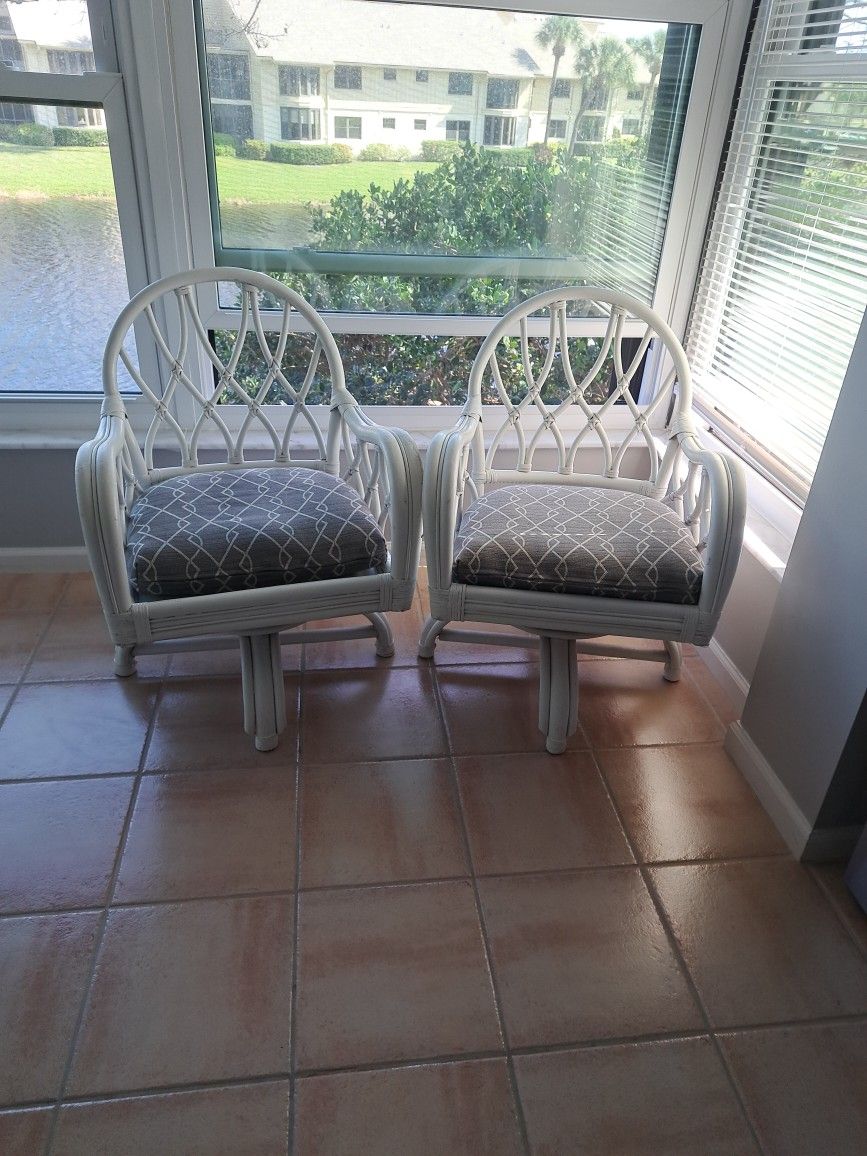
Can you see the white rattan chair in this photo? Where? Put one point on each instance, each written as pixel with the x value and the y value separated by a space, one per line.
pixel 218 523
pixel 520 531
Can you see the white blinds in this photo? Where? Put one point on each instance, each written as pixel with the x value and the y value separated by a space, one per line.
pixel 784 281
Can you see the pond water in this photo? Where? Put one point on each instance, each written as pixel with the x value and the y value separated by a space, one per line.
pixel 62 283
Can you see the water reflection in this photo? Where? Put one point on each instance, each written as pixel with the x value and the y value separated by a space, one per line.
pixel 62 283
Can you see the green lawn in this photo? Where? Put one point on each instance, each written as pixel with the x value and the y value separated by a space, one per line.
pixel 86 172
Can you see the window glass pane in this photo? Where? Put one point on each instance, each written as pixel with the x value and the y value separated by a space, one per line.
pixel 46 36
pixel 62 279
pixel 410 175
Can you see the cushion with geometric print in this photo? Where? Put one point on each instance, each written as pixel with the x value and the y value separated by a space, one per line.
pixel 238 529
pixel 578 540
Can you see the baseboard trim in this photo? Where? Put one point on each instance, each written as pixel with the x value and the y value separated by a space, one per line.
pixel 30 559
pixel 785 813
pixel 725 672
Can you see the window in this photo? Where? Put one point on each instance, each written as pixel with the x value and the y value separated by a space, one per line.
pixel 499 130
pixel 79 117
pixel 460 83
pixel 298 80
pixel 562 89
pixel 421 76
pixel 233 120
pixel 457 130
pixel 557 129
pixel 389 74
pixel 419 125
pixel 11 54
pixel 228 76
pixel 597 98
pixel 590 128
pixel 347 127
pixel 502 93
pixel 70 62
pixel 13 113
pixel 784 282
pixel 347 76
pixel 635 94
pixel 389 122
pixel 631 126
pixel 299 123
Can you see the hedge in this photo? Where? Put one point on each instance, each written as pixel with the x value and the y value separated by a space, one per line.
pixel 35 135
pixel 384 152
pixel 224 145
pixel 253 150
pixel 439 150
pixel 512 158
pixel 292 153
pixel 81 137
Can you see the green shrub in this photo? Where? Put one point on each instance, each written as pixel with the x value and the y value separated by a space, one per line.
pixel 516 158
pixel 224 145
pixel 89 138
pixel 253 150
pixel 300 153
pixel 383 152
pixel 34 135
pixel 439 150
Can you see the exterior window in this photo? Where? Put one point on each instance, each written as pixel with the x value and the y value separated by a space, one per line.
pixel 389 122
pixel 557 129
pixel 347 127
pixel 11 54
pixel 233 119
pixel 635 94
pixel 347 76
pixel 562 89
pixel 75 117
pixel 419 125
pixel 460 83
pixel 298 80
pixel 502 93
pixel 631 126
pixel 499 130
pixel 596 99
pixel 228 76
pixel 389 74
pixel 590 128
pixel 5 22
pixel 15 113
pixel 457 130
pixel 299 123
pixel 71 63
pixel 421 75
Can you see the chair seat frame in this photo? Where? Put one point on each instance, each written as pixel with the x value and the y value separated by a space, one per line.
pixel 705 488
pixel 382 465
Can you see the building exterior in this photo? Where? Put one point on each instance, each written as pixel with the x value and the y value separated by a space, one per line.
pixel 322 72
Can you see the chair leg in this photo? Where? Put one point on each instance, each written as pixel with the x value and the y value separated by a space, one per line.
pixel 428 642
pixel 558 691
pixel 264 697
pixel 384 637
pixel 124 661
pixel 672 668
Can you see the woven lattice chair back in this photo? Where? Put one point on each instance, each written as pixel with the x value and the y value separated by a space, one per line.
pixel 277 361
pixel 557 388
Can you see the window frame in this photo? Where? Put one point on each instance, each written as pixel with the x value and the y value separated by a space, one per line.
pixel 354 69
pixel 454 88
pixel 164 197
pixel 347 135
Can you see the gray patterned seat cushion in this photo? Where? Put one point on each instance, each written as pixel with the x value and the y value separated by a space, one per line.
pixel 578 540
pixel 206 533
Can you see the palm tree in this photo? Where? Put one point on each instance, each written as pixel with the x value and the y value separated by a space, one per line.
pixel 556 32
pixel 650 50
pixel 603 65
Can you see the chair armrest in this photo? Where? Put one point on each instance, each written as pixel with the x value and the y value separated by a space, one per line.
pixel 722 512
pixel 401 461
pixel 441 497
pixel 100 485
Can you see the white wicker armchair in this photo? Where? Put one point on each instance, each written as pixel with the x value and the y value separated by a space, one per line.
pixel 198 538
pixel 646 547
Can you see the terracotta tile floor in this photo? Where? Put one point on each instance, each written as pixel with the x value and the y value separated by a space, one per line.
pixel 407 930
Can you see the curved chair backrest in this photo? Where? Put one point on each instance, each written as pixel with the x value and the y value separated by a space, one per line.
pixel 277 352
pixel 549 367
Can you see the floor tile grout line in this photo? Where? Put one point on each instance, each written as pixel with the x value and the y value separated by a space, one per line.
pixel 480 916
pixel 103 923
pixel 860 947
pixel 296 908
pixel 674 946
pixel 4 713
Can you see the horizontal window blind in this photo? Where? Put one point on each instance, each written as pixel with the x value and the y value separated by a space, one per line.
pixel 783 286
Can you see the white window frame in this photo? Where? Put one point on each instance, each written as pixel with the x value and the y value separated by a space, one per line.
pixel 160 165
